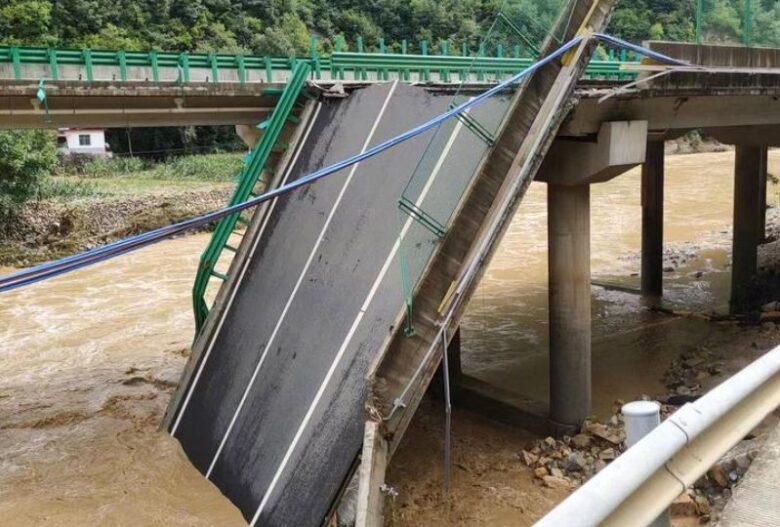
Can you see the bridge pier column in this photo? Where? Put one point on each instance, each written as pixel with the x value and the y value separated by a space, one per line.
pixel 653 219
pixel 250 135
pixel 762 182
pixel 749 169
pixel 570 312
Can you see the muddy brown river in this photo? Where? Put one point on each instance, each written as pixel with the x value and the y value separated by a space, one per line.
pixel 88 360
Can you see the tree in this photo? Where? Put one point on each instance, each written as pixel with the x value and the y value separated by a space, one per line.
pixel 26 22
pixel 27 157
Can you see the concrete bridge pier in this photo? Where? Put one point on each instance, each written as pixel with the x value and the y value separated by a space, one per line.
pixel 570 310
pixel 249 134
pixel 762 183
pixel 653 220
pixel 749 174
pixel 569 170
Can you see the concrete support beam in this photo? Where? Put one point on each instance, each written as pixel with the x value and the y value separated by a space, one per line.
pixel 570 313
pixel 762 182
pixel 747 173
pixel 373 465
pixel 653 219
pixel 619 147
pixel 249 134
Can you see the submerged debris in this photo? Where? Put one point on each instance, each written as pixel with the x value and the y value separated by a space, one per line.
pixel 685 375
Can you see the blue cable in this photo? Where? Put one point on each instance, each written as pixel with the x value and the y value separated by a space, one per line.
pixel 105 252
pixel 619 42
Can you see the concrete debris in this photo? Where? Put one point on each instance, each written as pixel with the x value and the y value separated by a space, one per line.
pixel 581 441
pixel 685 375
pixel 575 459
pixel 569 462
pixel 770 316
pixel 555 482
pixel 684 505
pixel 771 307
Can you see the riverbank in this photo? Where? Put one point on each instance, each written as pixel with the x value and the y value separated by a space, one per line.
pixel 92 202
pixel 53 228
pixel 493 482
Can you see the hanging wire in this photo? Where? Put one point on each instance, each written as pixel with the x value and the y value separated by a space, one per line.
pixel 111 250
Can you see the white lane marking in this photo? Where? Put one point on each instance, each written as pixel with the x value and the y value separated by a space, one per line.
pixel 248 259
pixel 380 277
pixel 305 270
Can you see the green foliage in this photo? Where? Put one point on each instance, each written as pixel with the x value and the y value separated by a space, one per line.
pixel 215 168
pixel 283 27
pixel 26 22
pixel 110 167
pixel 66 189
pixel 27 157
pixel 212 167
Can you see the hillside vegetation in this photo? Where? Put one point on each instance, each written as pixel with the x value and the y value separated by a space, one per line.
pixel 283 27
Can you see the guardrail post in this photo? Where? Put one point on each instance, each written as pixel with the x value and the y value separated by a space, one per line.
pixel 426 73
pixel 54 72
pixel 641 418
pixel 17 62
pixel 87 54
pixel 155 65
pixel 122 56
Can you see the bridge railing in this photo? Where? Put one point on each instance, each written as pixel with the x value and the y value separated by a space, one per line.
pixel 36 63
pixel 642 482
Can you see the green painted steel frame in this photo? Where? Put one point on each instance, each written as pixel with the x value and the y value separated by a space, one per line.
pixel 255 165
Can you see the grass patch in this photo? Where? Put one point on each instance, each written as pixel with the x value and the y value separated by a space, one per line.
pixel 213 167
pixel 121 176
pixel 67 189
pixel 221 168
pixel 115 166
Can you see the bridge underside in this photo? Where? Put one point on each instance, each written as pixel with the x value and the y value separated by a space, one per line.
pixel 72 104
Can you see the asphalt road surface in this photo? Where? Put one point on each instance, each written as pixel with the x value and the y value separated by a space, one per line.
pixel 274 414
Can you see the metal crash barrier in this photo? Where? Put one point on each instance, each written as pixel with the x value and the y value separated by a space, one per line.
pixel 636 487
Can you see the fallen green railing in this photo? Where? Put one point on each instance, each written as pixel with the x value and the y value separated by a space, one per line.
pixel 255 165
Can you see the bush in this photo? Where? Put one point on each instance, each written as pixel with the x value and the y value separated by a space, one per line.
pixel 107 167
pixel 27 158
pixel 89 166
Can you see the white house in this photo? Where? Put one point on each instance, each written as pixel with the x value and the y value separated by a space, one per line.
pixel 81 141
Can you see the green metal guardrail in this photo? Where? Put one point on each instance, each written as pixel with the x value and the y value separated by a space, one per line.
pixel 446 66
pixel 256 164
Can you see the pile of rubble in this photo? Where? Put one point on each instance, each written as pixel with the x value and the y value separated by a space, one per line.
pixel 570 461
pixel 685 375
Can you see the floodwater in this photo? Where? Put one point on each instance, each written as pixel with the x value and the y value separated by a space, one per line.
pixel 89 360
pixel 505 332
pixel 87 365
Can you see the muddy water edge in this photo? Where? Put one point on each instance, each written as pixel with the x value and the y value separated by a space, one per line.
pixel 90 359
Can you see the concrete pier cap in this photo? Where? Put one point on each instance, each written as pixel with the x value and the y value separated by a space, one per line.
pixel 618 147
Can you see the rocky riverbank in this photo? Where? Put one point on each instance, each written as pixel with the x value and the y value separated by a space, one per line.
pixel 43 230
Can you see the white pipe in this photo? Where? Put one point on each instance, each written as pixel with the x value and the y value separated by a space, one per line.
pixel 641 418
pixel 604 494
